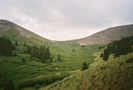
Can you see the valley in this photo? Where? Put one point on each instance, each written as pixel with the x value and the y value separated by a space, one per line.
pixel 36 63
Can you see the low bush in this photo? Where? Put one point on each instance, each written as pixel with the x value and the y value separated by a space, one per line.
pixel 48 79
pixel 129 60
pixel 37 86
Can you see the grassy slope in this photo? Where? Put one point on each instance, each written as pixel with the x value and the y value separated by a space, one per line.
pixel 70 83
pixel 13 68
pixel 114 74
pixel 15 32
pixel 14 35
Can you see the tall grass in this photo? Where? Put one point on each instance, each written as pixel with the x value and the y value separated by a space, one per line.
pixel 41 80
pixel 69 83
pixel 114 74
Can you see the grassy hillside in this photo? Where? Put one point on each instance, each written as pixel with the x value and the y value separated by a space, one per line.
pixel 17 33
pixel 112 74
pixel 108 35
pixel 23 69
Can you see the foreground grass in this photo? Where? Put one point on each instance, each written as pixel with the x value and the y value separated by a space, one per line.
pixel 70 83
pixel 114 74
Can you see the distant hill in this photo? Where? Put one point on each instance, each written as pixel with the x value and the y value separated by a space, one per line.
pixel 108 35
pixel 17 33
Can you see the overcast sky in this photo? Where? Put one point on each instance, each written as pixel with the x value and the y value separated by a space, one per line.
pixel 67 19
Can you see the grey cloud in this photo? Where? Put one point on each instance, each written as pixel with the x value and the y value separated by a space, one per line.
pixel 59 15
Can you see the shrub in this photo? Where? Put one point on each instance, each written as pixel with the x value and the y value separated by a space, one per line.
pixel 14 54
pixel 23 60
pixel 37 86
pixel 85 66
pixel 129 60
pixel 9 85
pixel 42 80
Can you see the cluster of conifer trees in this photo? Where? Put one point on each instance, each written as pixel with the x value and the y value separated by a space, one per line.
pixel 117 48
pixel 42 52
pixel 6 47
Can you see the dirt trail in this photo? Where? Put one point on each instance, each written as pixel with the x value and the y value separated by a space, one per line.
pixel 85 82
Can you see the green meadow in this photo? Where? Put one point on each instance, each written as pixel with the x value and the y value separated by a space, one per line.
pixel 25 71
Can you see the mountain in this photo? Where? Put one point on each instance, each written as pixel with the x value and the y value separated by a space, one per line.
pixel 18 33
pixel 108 35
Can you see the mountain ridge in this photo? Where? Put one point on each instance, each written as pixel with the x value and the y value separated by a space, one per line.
pixel 108 35
pixel 102 37
pixel 15 32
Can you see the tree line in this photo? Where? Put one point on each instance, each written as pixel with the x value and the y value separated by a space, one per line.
pixel 117 48
pixel 6 47
pixel 42 52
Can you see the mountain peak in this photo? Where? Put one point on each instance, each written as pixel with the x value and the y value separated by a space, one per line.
pixel 4 21
pixel 5 25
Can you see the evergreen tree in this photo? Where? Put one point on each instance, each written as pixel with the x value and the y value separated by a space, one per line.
pixel 9 86
pixel 43 53
pixel 106 55
pixel 73 50
pixel 6 47
pixel 101 55
pixel 47 53
pixel 23 60
pixel 59 58
pixel 32 52
pixel 16 43
pixel 85 66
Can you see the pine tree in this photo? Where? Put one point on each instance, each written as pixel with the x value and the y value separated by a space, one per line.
pixel 6 47
pixel 106 55
pixel 101 55
pixel 32 52
pixel 16 43
pixel 47 53
pixel 85 66
pixel 43 54
pixel 59 58
pixel 73 50
pixel 9 86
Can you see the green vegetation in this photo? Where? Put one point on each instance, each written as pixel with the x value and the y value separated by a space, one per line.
pixel 114 74
pixel 118 48
pixel 6 47
pixel 41 80
pixel 25 68
pixel 61 69
pixel 30 62
pixel 69 83
pixel 42 53
pixel 9 86
pixel 85 66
